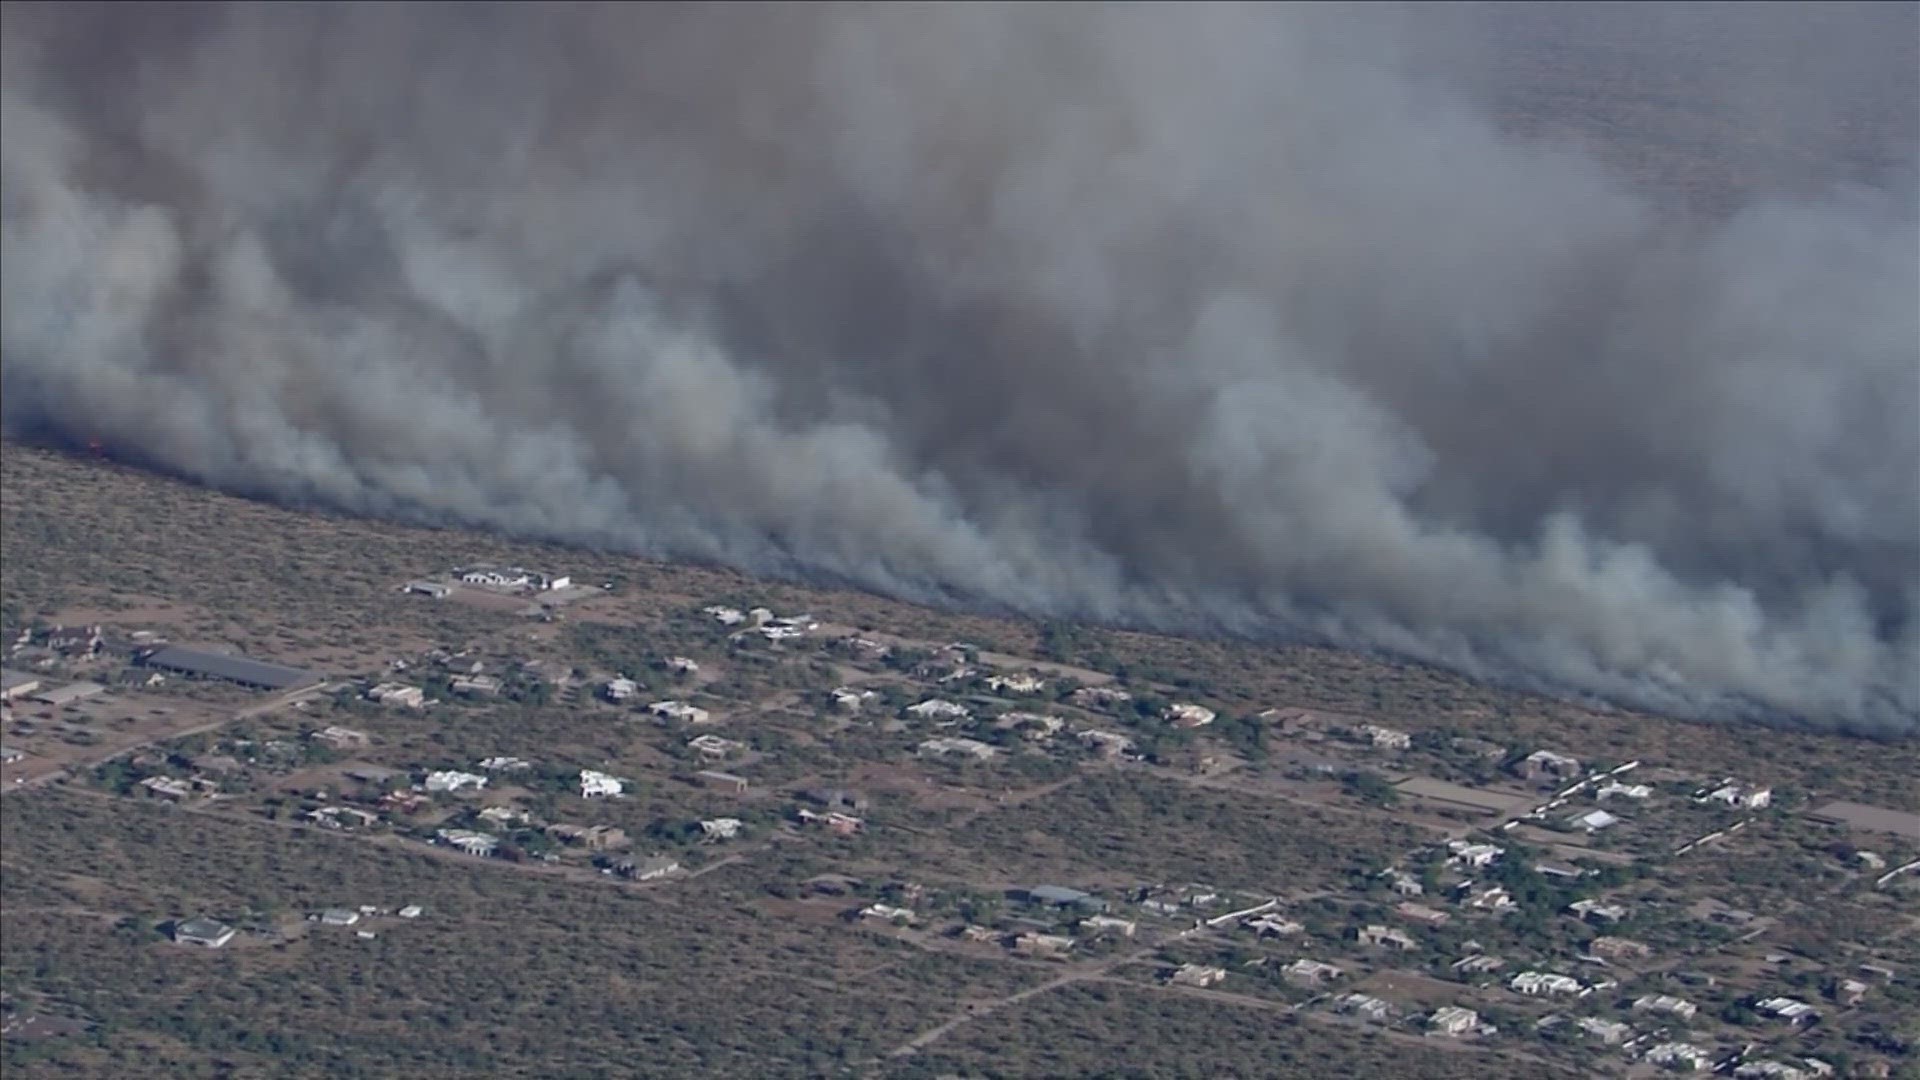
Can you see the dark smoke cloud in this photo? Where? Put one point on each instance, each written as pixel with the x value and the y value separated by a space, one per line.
pixel 1270 320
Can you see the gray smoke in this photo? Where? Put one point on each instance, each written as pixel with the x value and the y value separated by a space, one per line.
pixel 1268 320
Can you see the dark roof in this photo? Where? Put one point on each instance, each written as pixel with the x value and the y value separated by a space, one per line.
pixel 234 668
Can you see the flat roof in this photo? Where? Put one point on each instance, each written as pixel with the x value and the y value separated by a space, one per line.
pixel 70 692
pixel 1869 818
pixel 1486 799
pixel 234 668
pixel 10 678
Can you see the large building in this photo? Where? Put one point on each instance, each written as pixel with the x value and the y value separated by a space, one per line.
pixel 236 669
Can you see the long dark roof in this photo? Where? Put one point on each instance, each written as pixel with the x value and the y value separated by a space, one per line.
pixel 235 668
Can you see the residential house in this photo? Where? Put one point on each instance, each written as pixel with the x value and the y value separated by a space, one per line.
pixel 681 665
pixel 621 689
pixel 398 695
pixel 1740 795
pixel 447 781
pixel 17 684
pixel 1475 965
pixel 833 798
pixel 972 748
pixel 1849 992
pixel 1099 923
pixel 1386 937
pixel 1405 884
pixel 1610 1032
pixel 593 837
pixel 652 869
pixel 1366 1006
pixel 1311 972
pixel 1384 738
pixel 207 933
pixel 714 746
pixel 338 917
pixel 1107 743
pixel 167 788
pixel 1422 914
pixel 477 685
pixel 1546 762
pixel 1666 1004
pixel 679 710
pixel 1015 684
pixel 340 738
pixel 1684 1057
pixel 887 913
pixel 937 709
pixel 1536 983
pixel 847 699
pixel 1033 725
pixel 1271 924
pixel 1186 714
pixel 473 843
pixel 1059 896
pixel 1597 910
pixel 506 764
pixel 1453 1020
pixel 725 616
pixel 437 589
pixel 598 785
pixel 1100 697
pixel 1493 898
pixel 843 824
pixel 1768 1070
pixel 1197 975
pixel 722 780
pixel 9 755
pixel 1035 944
pixel 1592 821
pixel 411 911
pixel 1475 856
pixel 1626 791
pixel 725 828
pixel 1788 1009
pixel 501 817
pixel 1618 948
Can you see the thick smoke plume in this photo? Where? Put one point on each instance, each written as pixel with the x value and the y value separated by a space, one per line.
pixel 1264 320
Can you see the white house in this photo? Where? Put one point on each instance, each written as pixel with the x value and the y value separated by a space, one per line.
pixel 505 764
pixel 1311 971
pixel 681 665
pixel 598 785
pixel 1625 791
pixel 713 745
pixel 1592 821
pixel 1493 898
pixel 1186 714
pixel 1740 795
pixel 1535 983
pixel 1547 761
pixel 847 699
pixel 1015 684
pixel 1272 924
pixel 398 695
pixel 726 616
pixel 473 843
pixel 1197 975
pixel 1667 1005
pixel 1385 738
pixel 1788 1009
pixel 1685 1057
pixel 621 689
pixel 725 828
pixel 679 710
pixel 1107 742
pixel 452 780
pixel 973 748
pixel 1453 1020
pixel 204 932
pixel 936 709
pixel 1365 1005
pixel 1598 910
pixel 1611 1032
pixel 1473 855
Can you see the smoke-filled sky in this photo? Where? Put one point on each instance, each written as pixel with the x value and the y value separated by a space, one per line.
pixel 1568 344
